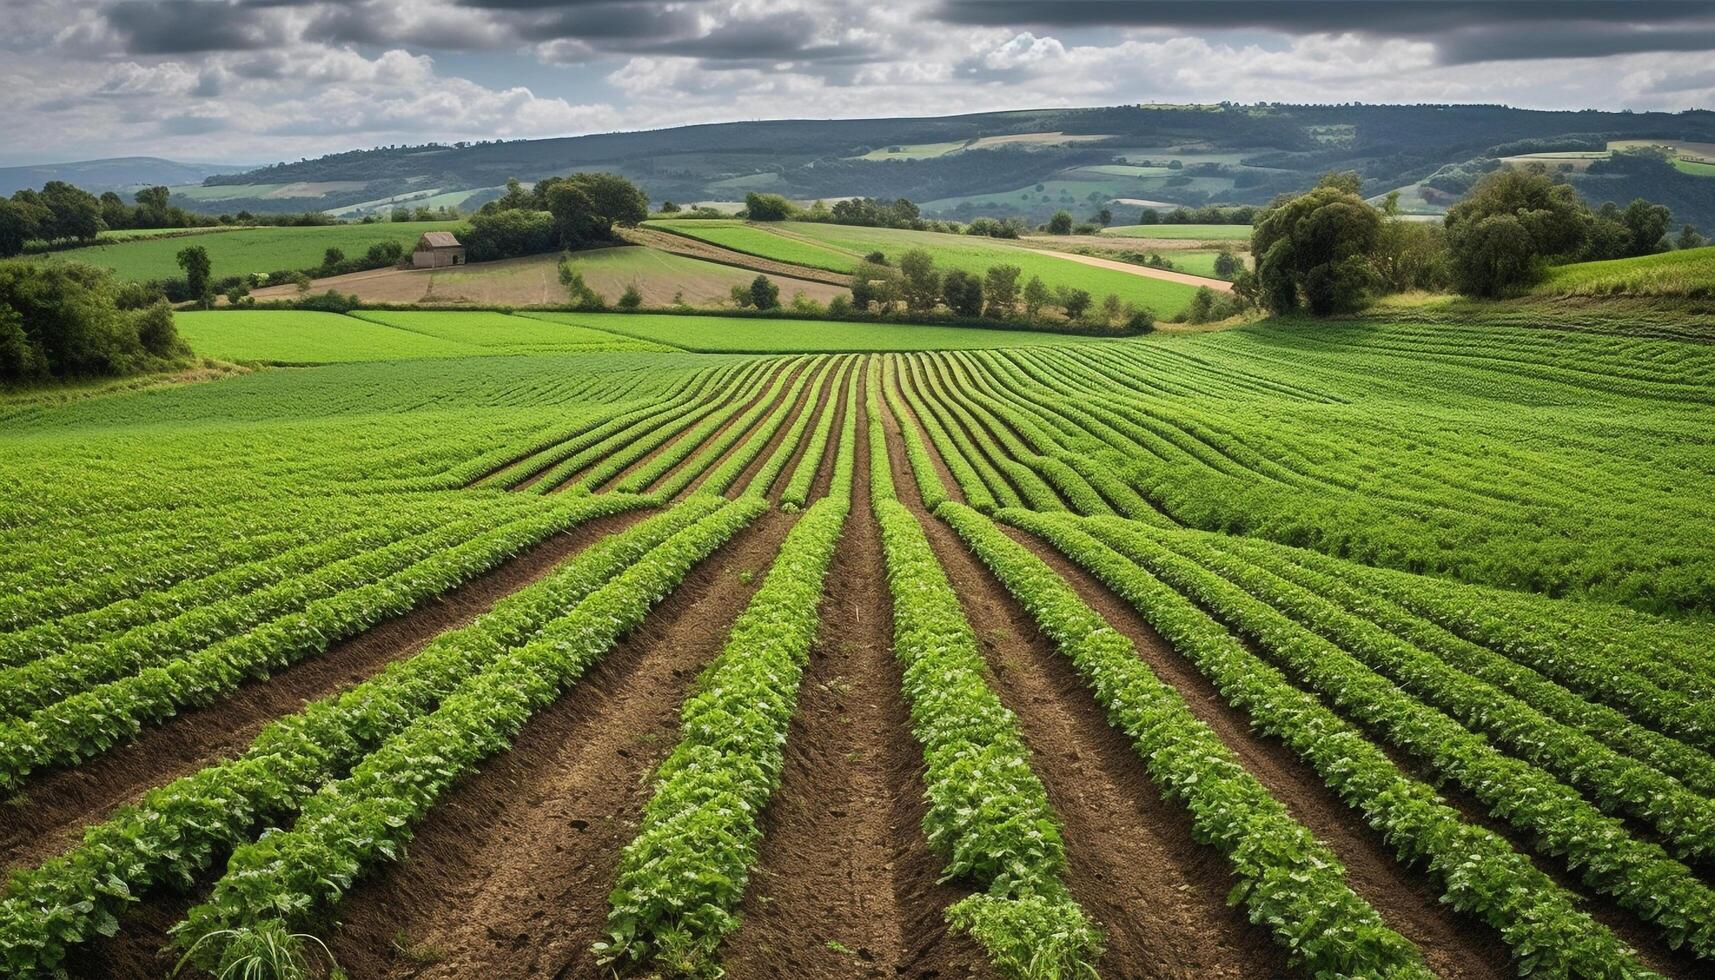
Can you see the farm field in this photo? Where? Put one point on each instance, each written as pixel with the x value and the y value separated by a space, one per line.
pixel 243 251
pixel 1689 273
pixel 1196 232
pixel 661 279
pixel 498 645
pixel 841 247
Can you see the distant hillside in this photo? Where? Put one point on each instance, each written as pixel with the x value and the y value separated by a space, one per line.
pixel 114 174
pixel 1028 163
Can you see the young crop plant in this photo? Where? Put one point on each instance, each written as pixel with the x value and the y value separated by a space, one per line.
pixel 1478 871
pixel 280 884
pixel 1289 881
pixel 798 486
pixel 682 877
pixel 176 829
pixel 988 814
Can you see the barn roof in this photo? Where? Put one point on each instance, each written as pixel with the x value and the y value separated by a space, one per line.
pixel 437 239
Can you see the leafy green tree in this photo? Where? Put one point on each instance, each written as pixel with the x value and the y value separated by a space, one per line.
pixel 74 213
pixel 1411 255
pixel 20 223
pixel 668 207
pixel 154 198
pixel 1646 226
pixel 1061 223
pixel 503 234
pixel 198 268
pixel 333 258
pixel 1689 238
pixel 1509 227
pixel 962 292
pixel 764 295
pixel 1228 265
pixel 1104 217
pixel 919 281
pixel 1036 296
pixel 767 207
pixel 1076 302
pixel 576 223
pixel 1000 286
pixel 68 319
pixel 874 284
pixel 1149 216
pixel 1313 250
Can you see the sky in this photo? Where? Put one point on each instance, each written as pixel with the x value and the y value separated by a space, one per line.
pixel 256 81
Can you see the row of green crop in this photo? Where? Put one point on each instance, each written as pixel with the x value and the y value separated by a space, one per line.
pixel 278 885
pixel 988 813
pixel 173 831
pixel 826 379
pixel 682 877
pixel 95 720
pixel 755 428
pixel 1477 870
pixel 1288 880
pixel 305 575
pixel 1001 451
pixel 1684 820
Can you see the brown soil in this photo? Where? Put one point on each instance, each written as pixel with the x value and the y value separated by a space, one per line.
pixel 905 482
pixel 1218 285
pixel 1454 945
pixel 709 252
pixel 824 478
pixel 1132 861
pixel 509 876
pixel 808 401
pixel 55 807
pixel 776 403
pixel 844 885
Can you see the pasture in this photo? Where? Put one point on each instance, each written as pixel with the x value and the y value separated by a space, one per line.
pixel 523 646
pixel 1688 273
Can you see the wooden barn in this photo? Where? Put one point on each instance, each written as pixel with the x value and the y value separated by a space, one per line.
pixel 437 249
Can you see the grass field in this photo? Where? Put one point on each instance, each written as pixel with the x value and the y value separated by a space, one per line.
pixel 245 251
pixel 714 334
pixel 840 247
pixel 307 337
pixel 1199 232
pixel 1394 635
pixel 1689 273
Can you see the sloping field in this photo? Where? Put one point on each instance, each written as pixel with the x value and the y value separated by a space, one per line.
pixel 769 335
pixel 842 247
pixel 243 251
pixel 308 337
pixel 1304 649
pixel 1689 273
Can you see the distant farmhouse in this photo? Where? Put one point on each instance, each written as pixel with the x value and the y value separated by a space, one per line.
pixel 437 249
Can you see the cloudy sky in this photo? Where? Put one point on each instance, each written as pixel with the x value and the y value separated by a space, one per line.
pixel 261 80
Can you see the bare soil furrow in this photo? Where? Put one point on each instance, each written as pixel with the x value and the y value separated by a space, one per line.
pixel 509 876
pixel 49 815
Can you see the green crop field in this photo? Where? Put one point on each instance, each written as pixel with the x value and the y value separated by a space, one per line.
pixel 1395 635
pixel 1688 273
pixel 840 247
pixel 306 337
pixel 244 251
pixel 1199 232
pixel 758 335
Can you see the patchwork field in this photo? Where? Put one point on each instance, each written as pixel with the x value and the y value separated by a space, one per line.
pixel 840 248
pixel 243 251
pixel 497 646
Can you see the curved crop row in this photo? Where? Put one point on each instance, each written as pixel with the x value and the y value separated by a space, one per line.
pixel 175 829
pixel 733 414
pixel 798 486
pixel 1289 881
pixel 1477 870
pixel 277 886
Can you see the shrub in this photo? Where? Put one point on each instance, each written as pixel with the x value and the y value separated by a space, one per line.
pixel 963 293
pixel 631 299
pixel 767 207
pixel 68 320
pixel 764 295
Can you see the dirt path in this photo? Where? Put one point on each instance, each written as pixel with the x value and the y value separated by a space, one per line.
pixel 1168 275
pixel 509 876
pixel 844 885
pixel 1454 945
pixel 709 252
pixel 51 813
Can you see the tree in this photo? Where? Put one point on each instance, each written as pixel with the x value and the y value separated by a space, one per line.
pixel 195 261
pixel 764 295
pixel 962 292
pixel 1104 217
pixel 20 223
pixel 580 293
pixel 920 283
pixel 668 207
pixel 1509 227
pixel 68 319
pixel 1688 238
pixel 1646 225
pixel 1411 255
pixel 503 234
pixel 631 299
pixel 874 284
pixel 1000 285
pixel 73 213
pixel 1061 223
pixel 1036 296
pixel 1228 265
pixel 332 258
pixel 576 223
pixel 1313 250
pixel 1074 301
pixel 767 207
pixel 1149 216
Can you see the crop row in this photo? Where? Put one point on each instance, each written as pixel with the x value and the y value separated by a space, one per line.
pixel 761 425
pixel 1289 881
pixel 769 472
pixel 988 813
pixel 699 446
pixel 798 486
pixel 95 720
pixel 174 830
pixel 1477 870
pixel 280 884
pixel 681 878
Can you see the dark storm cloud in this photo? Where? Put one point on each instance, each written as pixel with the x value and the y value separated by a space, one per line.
pixel 190 26
pixel 1462 30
